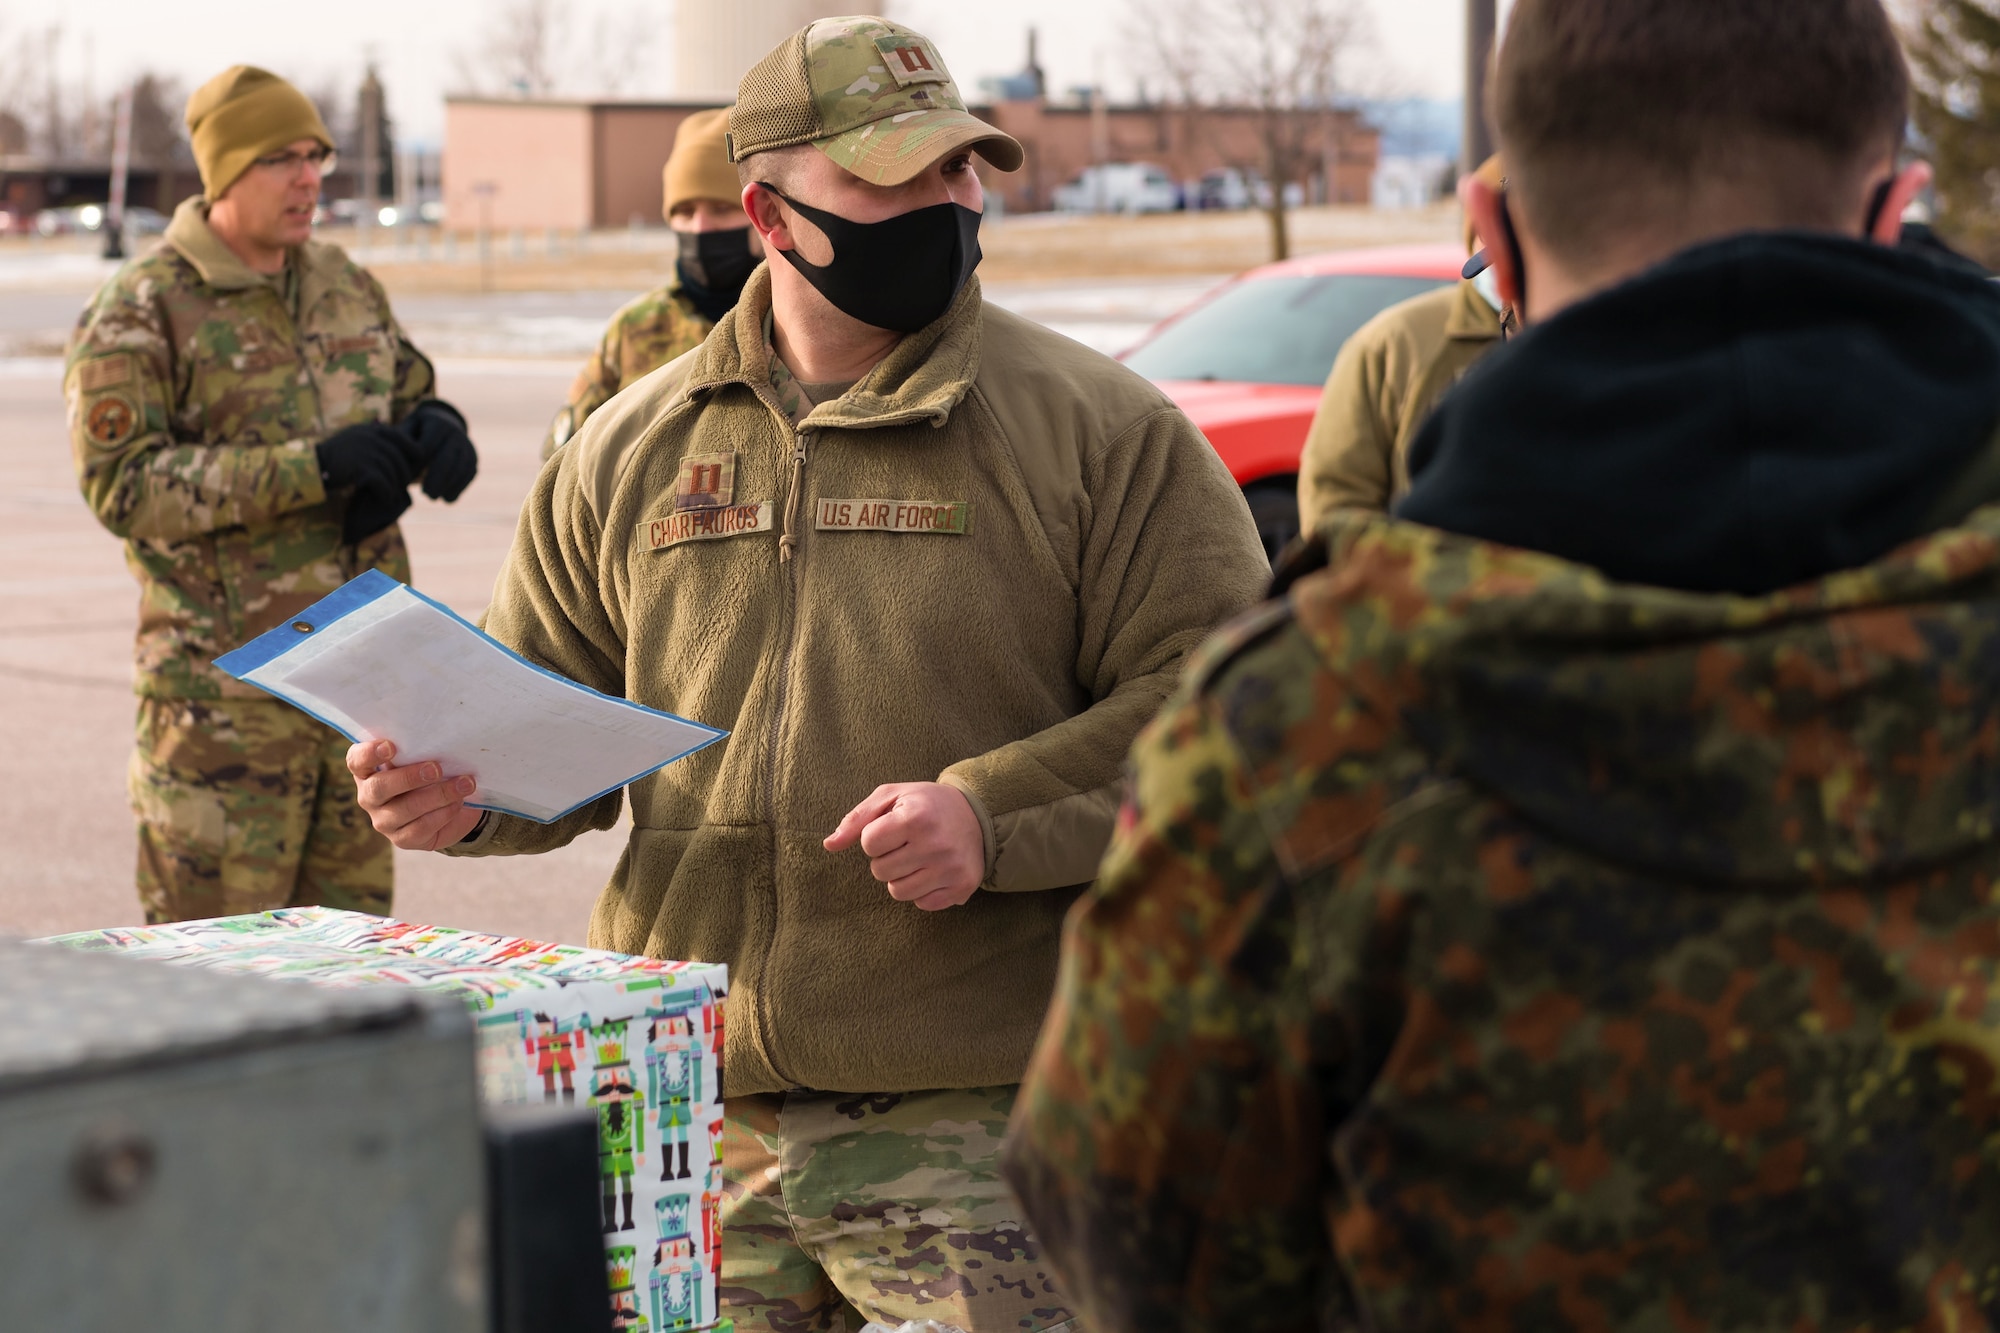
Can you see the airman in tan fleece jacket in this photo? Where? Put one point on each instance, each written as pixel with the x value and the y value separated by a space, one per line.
pixel 933 567
pixel 1006 544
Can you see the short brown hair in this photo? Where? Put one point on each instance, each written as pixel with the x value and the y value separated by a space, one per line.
pixel 1611 112
pixel 773 166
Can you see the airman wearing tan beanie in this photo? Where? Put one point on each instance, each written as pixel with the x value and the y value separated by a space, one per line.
pixel 243 388
pixel 699 167
pixel 701 198
pixel 240 115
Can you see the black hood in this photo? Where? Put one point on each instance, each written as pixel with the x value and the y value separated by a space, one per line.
pixel 1752 414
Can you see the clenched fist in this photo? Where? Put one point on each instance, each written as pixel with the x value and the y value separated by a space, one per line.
pixel 922 840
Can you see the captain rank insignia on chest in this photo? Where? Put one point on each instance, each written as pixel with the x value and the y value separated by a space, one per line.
pixel 707 481
pixel 705 507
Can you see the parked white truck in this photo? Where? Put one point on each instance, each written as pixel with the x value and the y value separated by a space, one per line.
pixel 1119 187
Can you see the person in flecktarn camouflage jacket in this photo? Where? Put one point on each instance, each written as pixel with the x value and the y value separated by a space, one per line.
pixel 246 413
pixel 1574 906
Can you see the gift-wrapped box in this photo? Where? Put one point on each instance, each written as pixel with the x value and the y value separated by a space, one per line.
pixel 637 1038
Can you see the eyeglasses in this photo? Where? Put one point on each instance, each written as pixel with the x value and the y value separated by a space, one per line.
pixel 322 160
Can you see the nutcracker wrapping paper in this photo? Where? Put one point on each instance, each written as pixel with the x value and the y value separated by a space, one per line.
pixel 638 1039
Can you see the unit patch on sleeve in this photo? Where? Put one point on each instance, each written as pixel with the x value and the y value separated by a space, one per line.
pixel 105 372
pixel 952 516
pixel 110 421
pixel 707 481
pixel 694 525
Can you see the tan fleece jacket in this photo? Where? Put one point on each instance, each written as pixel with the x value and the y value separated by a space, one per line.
pixel 1002 546
pixel 1385 382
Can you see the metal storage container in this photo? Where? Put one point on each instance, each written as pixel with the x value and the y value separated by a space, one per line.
pixel 188 1152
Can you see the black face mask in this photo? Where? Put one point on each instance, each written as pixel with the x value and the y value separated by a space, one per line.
pixel 713 266
pixel 900 273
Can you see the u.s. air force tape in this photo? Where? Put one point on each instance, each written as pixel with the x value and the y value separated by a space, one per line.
pixel 695 525
pixel 945 516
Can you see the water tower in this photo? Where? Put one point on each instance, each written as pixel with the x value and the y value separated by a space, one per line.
pixel 717 41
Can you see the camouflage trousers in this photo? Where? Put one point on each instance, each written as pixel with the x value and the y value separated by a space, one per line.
pixel 245 805
pixel 838 1208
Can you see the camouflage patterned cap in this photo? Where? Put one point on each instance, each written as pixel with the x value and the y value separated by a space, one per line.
pixel 870 94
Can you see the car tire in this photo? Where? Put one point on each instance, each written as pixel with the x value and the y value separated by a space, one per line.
pixel 1274 506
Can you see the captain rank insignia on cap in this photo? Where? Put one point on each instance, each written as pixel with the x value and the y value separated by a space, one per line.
pixel 911 59
pixel 707 481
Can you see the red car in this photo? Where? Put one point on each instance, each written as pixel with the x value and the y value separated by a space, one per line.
pixel 1247 362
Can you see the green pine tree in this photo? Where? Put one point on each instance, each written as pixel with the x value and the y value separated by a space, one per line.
pixel 1954 48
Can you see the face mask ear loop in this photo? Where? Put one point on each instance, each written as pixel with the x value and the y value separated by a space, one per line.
pixel 1876 203
pixel 798 210
pixel 769 249
pixel 1513 252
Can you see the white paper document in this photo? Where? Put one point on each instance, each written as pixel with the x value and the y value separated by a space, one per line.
pixel 377 660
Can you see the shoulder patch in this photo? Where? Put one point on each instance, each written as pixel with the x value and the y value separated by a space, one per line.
pixel 1234 639
pixel 110 420
pixel 105 372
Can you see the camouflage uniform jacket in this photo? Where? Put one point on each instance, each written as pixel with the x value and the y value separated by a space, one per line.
pixel 196 393
pixel 644 335
pixel 1485 945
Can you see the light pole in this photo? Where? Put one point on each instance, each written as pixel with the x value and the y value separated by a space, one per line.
pixel 1480 21
pixel 121 168
pixel 368 195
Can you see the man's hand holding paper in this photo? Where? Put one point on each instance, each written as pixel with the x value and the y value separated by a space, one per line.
pixel 416 806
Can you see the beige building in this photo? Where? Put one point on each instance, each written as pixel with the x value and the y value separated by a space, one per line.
pixel 1063 139
pixel 514 164
pixel 573 165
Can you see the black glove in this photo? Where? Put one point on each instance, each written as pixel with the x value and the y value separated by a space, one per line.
pixel 450 461
pixel 375 463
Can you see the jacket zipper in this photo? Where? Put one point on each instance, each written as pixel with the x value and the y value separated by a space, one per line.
pixel 788 546
pixel 794 493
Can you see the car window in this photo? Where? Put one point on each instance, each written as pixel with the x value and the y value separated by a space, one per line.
pixel 1272 330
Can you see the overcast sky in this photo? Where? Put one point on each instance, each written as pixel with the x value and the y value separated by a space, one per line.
pixel 420 46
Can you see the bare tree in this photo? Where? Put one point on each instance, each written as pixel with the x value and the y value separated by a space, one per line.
pixel 1279 62
pixel 158 136
pixel 620 51
pixel 331 97
pixel 24 100
pixel 55 126
pixel 521 52
pixel 17 115
pixel 43 112
pixel 534 48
